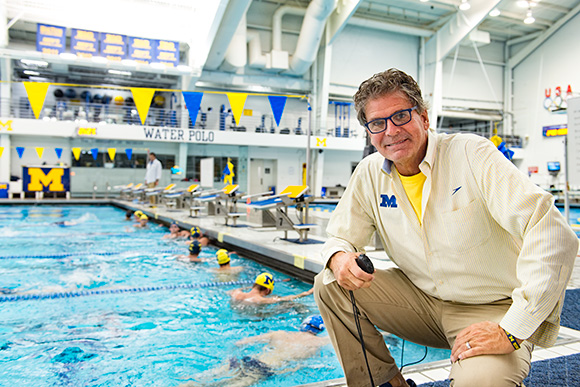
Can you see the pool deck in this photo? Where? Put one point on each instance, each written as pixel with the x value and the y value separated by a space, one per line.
pixel 302 260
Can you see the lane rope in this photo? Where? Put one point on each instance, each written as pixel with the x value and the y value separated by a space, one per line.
pixel 66 255
pixel 82 293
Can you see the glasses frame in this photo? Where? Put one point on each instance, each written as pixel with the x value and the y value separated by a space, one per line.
pixel 410 110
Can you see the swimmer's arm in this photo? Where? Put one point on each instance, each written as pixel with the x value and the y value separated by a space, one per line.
pixel 293 296
pixel 253 339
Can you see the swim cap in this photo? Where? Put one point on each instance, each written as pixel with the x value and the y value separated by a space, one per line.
pixel 138 213
pixel 195 232
pixel 313 324
pixel 143 217
pixel 222 256
pixel 266 280
pixel 194 247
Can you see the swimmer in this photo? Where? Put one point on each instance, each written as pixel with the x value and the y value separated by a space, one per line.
pixel 196 234
pixel 143 220
pixel 194 250
pixel 282 350
pixel 224 260
pixel 263 286
pixel 175 232
pixel 66 223
pixel 128 215
pixel 137 215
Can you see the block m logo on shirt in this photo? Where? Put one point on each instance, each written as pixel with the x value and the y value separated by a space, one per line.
pixel 388 201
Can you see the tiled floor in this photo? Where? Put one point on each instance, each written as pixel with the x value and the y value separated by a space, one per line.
pixel 268 241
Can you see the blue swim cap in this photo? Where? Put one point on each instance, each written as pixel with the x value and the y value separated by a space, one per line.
pixel 313 324
pixel 194 247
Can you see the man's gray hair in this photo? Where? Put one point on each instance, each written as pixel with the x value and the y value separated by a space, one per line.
pixel 387 82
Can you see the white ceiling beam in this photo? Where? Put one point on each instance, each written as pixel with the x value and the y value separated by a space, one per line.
pixel 523 53
pixel 456 29
pixel 340 17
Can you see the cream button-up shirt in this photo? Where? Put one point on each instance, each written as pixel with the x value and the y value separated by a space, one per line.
pixel 487 232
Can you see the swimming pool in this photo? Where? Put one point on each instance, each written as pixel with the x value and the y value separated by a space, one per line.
pixel 151 334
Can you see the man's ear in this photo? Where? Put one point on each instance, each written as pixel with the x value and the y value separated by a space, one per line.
pixel 425 119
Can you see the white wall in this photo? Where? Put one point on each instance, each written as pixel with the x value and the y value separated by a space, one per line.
pixel 338 166
pixel 554 63
pixel 358 53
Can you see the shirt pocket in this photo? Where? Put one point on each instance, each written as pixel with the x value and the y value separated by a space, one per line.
pixel 467 227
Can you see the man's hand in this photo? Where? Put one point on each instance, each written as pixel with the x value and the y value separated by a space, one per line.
pixel 347 273
pixel 484 338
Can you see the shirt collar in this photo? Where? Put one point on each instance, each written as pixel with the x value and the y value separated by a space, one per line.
pixel 429 155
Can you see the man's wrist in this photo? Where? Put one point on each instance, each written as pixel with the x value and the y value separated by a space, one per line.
pixel 513 340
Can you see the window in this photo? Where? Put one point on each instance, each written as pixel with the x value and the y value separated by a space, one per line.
pixel 138 160
pixel 194 169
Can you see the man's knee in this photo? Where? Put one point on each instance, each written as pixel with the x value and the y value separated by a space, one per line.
pixel 490 371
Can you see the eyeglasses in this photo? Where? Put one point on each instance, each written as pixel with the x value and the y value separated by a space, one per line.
pixel 399 118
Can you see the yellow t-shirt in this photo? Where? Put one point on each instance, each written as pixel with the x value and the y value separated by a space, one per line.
pixel 413 186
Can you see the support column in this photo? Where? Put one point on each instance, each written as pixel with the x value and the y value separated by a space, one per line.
pixel 5 159
pixel 317 189
pixel 182 158
pixel 242 169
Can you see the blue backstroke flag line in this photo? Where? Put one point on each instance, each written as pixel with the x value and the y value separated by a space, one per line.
pixel 277 104
pixel 192 102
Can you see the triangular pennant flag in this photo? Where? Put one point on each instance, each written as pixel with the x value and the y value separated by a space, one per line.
pixel 36 94
pixel 39 152
pixel 20 151
pixel 58 152
pixel 1 150
pixel 76 153
pixel 192 102
pixel 129 153
pixel 112 153
pixel 277 103
pixel 142 97
pixel 237 101
pixel 95 152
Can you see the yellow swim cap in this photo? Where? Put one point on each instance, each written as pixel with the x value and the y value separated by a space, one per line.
pixel 143 217
pixel 222 256
pixel 266 280
pixel 138 213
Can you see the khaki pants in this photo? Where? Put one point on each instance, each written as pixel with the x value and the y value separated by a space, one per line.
pixel 395 305
pixel 152 199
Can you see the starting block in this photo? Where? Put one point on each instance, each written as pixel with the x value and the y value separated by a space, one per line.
pixel 291 195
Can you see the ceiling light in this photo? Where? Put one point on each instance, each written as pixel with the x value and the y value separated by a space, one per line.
pixel 522 3
pixel 184 68
pixel 464 6
pixel 129 62
pixel 423 1
pixel 494 12
pixel 158 65
pixel 67 55
pixel 119 72
pixel 99 59
pixel 529 17
pixel 32 62
pixel 33 73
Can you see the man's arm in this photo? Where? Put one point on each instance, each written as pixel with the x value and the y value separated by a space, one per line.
pixel 546 257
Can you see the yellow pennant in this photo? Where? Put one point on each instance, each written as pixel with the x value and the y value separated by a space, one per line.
pixel 237 101
pixel 36 94
pixel 39 152
pixel 112 153
pixel 142 97
pixel 76 153
pixel 1 150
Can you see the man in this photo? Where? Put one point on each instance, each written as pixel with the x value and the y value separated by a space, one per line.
pixel 194 250
pixel 262 288
pixel 153 174
pixel 143 221
pixel 483 254
pixel 175 232
pixel 224 260
pixel 197 235
pixel 283 349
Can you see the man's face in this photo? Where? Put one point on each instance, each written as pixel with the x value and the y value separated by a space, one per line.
pixel 404 145
pixel 173 228
pixel 151 157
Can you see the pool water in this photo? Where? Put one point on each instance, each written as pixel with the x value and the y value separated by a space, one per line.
pixel 144 337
